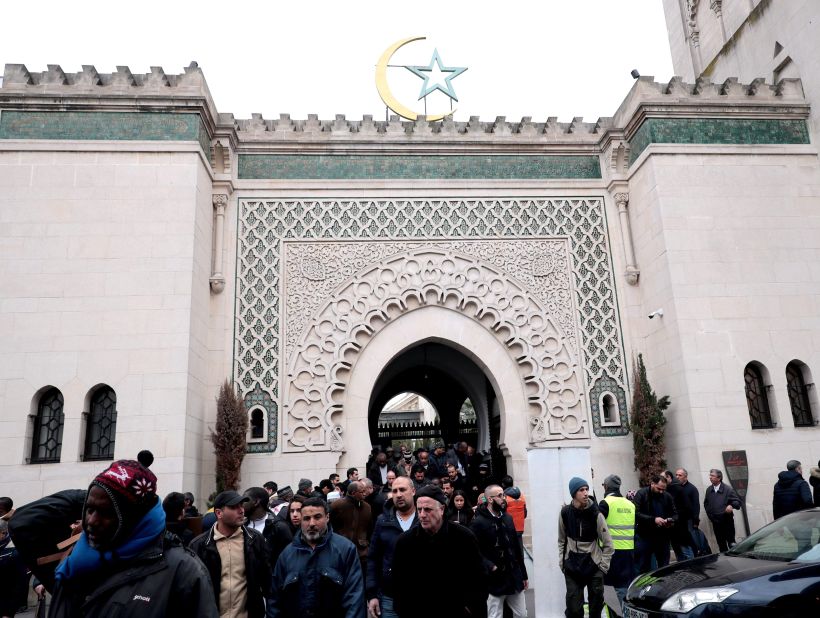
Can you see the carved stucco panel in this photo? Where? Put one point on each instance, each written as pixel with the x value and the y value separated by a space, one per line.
pixel 352 313
pixel 314 269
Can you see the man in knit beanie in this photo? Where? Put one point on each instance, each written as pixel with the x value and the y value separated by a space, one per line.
pixel 584 550
pixel 124 562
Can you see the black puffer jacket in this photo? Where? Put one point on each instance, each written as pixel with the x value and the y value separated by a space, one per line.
pixel 791 493
pixel 379 578
pixel 38 526
pixel 164 580
pixel 257 567
pixel 503 557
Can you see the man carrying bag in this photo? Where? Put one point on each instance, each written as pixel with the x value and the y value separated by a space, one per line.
pixel 585 549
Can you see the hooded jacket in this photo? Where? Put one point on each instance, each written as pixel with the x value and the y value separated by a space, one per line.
pixel 257 567
pixel 814 479
pixel 501 551
pixel 791 493
pixel 379 578
pixel 601 548
pixel 164 580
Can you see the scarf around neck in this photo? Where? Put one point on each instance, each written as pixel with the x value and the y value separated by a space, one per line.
pixel 85 560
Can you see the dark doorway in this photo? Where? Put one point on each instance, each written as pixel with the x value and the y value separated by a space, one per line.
pixel 457 389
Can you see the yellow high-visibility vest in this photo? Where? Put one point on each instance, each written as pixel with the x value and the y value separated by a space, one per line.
pixel 621 522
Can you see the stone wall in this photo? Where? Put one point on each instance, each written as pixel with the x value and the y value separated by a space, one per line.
pixel 731 236
pixel 99 262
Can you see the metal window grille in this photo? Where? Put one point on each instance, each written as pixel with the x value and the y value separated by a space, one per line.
pixel 756 399
pixel 101 425
pixel 48 428
pixel 798 396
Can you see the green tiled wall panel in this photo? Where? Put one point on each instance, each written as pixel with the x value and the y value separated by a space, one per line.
pixel 103 126
pixel 716 131
pixel 350 167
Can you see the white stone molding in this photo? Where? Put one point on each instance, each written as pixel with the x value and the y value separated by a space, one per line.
pixel 355 312
pixel 632 271
pixel 217 280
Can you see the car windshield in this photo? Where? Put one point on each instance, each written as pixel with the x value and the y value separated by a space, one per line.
pixel 790 538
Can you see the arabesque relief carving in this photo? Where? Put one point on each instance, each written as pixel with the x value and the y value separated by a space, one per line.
pixel 326 352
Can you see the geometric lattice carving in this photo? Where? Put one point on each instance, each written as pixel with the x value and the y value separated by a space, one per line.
pixel 265 224
pixel 365 303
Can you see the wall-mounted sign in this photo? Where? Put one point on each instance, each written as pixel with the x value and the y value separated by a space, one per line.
pixel 436 76
pixel 737 470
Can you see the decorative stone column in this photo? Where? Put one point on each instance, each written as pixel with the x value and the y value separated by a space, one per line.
pixel 217 279
pixel 632 271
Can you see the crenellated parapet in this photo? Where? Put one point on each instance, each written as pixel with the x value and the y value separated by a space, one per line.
pixel 89 105
pixel 729 98
pixel 17 78
pixel 285 129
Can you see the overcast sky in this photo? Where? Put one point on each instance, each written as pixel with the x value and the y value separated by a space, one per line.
pixel 544 58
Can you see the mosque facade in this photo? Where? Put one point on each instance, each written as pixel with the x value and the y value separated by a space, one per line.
pixel 153 247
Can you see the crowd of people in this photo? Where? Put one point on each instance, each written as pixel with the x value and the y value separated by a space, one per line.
pixel 610 542
pixel 352 547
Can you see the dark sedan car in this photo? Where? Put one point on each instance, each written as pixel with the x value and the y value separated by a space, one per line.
pixel 774 572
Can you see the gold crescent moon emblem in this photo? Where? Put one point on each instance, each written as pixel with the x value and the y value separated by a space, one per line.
pixel 384 91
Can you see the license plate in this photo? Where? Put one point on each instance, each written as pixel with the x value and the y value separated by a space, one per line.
pixel 634 613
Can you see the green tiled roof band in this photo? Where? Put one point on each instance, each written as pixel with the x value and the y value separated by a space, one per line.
pixel 152 126
pixel 473 167
pixel 717 131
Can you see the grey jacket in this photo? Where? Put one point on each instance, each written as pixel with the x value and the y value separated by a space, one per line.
pixel 601 549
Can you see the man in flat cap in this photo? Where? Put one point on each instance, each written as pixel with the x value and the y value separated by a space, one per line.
pixel 236 558
pixel 434 539
pixel 124 563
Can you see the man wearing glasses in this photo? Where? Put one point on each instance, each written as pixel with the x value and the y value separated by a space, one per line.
pixel 502 554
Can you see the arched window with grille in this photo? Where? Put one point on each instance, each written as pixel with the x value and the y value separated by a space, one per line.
pixel 47 440
pixel 797 387
pixel 757 400
pixel 101 425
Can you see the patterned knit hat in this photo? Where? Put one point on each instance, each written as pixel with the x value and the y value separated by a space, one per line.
pixel 132 489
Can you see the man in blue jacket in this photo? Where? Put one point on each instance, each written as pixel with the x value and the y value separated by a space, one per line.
pixel 319 573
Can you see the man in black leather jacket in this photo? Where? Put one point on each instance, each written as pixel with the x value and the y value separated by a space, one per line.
pixel 248 582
